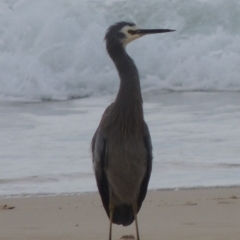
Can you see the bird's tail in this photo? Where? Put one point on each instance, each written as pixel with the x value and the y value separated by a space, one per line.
pixel 123 214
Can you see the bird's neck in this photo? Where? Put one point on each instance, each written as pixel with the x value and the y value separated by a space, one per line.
pixel 128 103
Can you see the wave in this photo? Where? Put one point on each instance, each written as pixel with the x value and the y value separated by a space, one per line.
pixel 54 50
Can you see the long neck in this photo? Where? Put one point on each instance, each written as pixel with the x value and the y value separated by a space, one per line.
pixel 128 103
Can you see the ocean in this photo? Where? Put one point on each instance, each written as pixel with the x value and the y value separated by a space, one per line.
pixel 56 79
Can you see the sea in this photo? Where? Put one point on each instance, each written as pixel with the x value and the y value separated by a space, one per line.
pixel 56 79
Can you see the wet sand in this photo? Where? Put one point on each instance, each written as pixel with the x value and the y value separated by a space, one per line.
pixel 167 214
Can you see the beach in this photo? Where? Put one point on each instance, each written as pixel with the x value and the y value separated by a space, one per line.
pixel 210 213
pixel 56 81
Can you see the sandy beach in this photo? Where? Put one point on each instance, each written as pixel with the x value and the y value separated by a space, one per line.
pixel 56 80
pixel 166 214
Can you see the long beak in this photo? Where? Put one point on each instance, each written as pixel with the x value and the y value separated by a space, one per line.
pixel 152 31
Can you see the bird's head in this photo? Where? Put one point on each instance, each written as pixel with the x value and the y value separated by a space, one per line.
pixel 125 32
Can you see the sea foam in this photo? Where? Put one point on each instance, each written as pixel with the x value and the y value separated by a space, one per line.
pixel 51 50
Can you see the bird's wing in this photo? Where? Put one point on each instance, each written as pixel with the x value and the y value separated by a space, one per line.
pixel 99 157
pixel 144 185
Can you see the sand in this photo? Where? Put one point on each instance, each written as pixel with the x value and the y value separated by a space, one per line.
pixel 205 214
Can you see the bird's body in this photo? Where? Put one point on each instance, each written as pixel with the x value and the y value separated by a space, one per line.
pixel 124 149
pixel 121 146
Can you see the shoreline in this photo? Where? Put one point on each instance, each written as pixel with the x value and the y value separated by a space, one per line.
pixel 94 192
pixel 210 213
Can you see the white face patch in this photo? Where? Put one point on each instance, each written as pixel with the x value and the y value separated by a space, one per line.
pixel 129 37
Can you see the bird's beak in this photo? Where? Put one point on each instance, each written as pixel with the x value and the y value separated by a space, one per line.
pixel 143 32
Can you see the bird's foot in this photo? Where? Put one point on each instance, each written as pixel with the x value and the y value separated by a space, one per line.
pixel 128 237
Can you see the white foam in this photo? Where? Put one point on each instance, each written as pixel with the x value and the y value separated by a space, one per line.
pixel 55 49
pixel 45 147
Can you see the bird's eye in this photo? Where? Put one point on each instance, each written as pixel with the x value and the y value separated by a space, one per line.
pixel 131 32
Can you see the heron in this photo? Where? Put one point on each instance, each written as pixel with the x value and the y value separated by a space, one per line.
pixel 121 146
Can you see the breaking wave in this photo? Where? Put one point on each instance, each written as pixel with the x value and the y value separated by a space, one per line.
pixel 53 50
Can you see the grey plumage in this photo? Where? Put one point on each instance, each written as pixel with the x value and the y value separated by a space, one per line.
pixel 121 145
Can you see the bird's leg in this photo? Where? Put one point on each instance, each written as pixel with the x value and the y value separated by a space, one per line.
pixel 135 208
pixel 111 208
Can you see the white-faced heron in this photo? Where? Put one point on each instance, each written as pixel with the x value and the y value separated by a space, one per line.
pixel 121 145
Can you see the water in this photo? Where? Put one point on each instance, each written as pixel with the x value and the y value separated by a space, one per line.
pixel 45 147
pixel 55 50
pixel 52 52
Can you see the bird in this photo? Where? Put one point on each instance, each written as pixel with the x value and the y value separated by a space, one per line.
pixel 121 146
